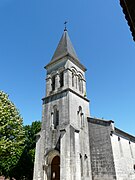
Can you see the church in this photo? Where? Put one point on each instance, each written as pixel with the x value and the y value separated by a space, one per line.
pixel 71 144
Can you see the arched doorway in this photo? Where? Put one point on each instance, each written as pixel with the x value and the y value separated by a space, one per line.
pixel 55 168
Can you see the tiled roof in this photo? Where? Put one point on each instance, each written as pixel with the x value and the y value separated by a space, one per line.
pixel 129 11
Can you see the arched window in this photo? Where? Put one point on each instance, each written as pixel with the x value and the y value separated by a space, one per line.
pixel 61 79
pixel 74 72
pixel 130 146
pixel 82 86
pixel 79 83
pixel 76 81
pixel 120 147
pixel 55 117
pixel 73 79
pixel 81 165
pixel 53 83
pixel 81 117
pixel 80 109
pixel 86 164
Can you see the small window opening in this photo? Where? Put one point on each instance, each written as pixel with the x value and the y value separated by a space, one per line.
pixel 120 147
pixel 82 86
pixel 134 167
pixel 79 83
pixel 53 83
pixel 81 165
pixel 85 156
pixel 111 133
pixel 61 79
pixel 76 82
pixel 73 79
pixel 81 117
pixel 80 108
pixel 55 118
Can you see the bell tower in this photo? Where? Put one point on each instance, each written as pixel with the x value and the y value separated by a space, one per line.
pixel 62 149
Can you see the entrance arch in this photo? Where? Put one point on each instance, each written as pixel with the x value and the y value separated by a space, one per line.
pixel 55 168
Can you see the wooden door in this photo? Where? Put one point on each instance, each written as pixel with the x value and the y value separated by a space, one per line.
pixel 55 168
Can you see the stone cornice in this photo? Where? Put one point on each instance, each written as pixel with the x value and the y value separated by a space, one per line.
pixel 62 91
pixel 100 121
pixel 123 134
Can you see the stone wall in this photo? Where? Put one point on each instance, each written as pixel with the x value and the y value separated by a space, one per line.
pixel 112 151
pixel 123 146
pixel 102 163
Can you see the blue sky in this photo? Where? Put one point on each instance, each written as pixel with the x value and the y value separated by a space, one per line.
pixel 29 33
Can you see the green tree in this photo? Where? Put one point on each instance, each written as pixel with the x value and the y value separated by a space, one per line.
pixel 30 145
pixel 11 135
pixel 24 168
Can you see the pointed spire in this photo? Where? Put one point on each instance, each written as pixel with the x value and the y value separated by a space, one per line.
pixel 64 48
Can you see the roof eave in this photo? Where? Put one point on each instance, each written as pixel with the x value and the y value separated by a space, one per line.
pixel 128 17
pixel 70 57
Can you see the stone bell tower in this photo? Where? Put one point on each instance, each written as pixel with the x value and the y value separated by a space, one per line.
pixel 62 149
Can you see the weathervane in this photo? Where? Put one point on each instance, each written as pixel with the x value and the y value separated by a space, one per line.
pixel 65 23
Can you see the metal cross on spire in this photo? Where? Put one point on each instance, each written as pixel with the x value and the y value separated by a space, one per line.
pixel 65 23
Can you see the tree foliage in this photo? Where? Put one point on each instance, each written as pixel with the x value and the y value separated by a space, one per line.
pixel 17 142
pixel 30 144
pixel 11 135
pixel 25 166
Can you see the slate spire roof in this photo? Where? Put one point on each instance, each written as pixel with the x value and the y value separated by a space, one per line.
pixel 64 48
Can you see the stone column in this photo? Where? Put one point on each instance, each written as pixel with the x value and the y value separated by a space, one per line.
pixel 68 79
pixel 65 78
